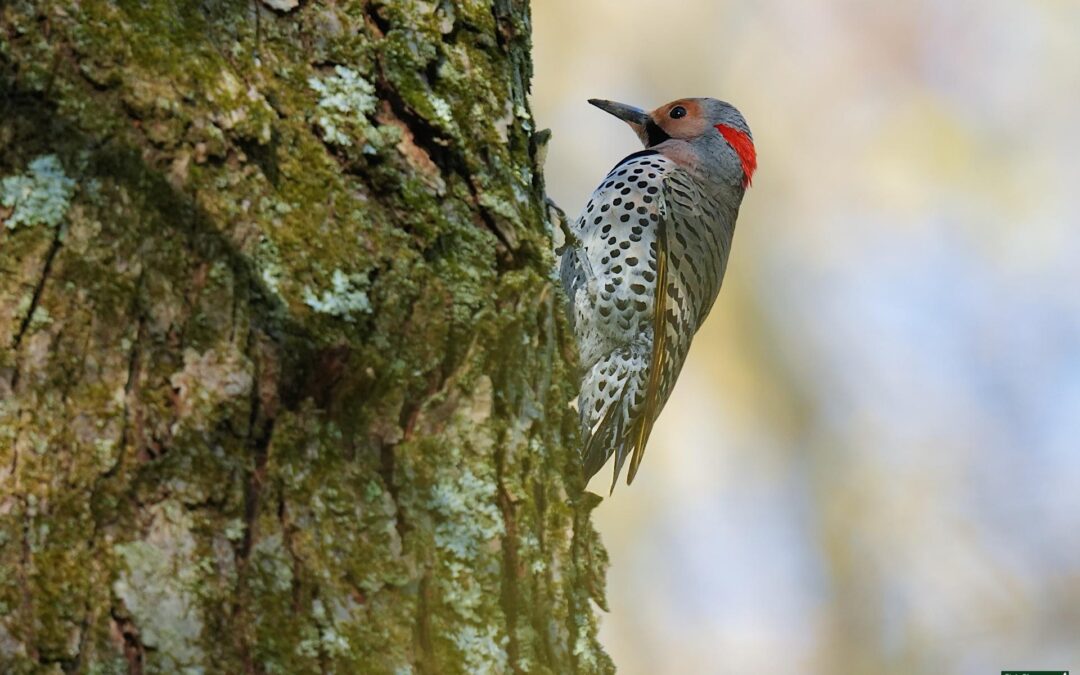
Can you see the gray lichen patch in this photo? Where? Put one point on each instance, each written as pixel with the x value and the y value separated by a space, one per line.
pixel 40 196
pixel 345 100
pixel 468 532
pixel 282 5
pixel 157 586
pixel 469 519
pixel 346 298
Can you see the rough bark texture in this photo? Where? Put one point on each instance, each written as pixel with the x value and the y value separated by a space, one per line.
pixel 283 380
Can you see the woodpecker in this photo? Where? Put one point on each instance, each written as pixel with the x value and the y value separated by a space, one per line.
pixel 643 264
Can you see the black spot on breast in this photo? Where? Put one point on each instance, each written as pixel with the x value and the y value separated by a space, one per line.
pixel 638 288
pixel 610 288
pixel 616 201
pixel 605 310
pixel 629 206
pixel 652 190
pixel 640 305
pixel 596 220
pixel 624 217
pixel 631 261
pixel 605 229
pixel 642 184
pixel 616 269
pixel 611 241
pixel 648 276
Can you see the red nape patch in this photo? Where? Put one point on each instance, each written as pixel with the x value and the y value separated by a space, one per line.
pixel 744 148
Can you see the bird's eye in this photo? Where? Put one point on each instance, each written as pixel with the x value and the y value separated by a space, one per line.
pixel 677 112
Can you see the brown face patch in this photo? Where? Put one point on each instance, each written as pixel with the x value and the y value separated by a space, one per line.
pixel 691 125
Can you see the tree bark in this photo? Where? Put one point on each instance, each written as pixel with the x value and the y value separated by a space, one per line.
pixel 284 378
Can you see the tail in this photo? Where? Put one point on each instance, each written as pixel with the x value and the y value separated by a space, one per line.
pixel 619 421
pixel 612 403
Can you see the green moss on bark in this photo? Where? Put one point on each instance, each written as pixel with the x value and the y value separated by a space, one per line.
pixel 284 384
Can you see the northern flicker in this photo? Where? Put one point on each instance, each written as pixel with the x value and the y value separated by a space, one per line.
pixel 643 263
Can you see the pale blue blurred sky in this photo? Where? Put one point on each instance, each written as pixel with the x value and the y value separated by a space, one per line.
pixel 871 461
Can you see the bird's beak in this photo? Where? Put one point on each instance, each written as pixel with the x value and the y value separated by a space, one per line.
pixel 627 113
pixel 640 122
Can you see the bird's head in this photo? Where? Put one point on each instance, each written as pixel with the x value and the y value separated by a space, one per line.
pixel 693 131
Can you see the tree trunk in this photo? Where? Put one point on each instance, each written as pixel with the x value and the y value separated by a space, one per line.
pixel 284 379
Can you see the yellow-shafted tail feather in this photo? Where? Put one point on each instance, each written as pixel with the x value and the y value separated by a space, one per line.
pixel 643 424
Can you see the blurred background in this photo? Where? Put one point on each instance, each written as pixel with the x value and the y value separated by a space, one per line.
pixel 871 462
